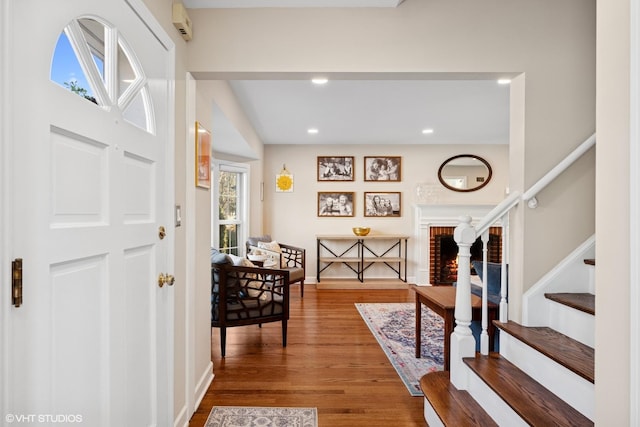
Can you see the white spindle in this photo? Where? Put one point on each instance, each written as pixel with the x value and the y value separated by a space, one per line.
pixel 484 337
pixel 504 307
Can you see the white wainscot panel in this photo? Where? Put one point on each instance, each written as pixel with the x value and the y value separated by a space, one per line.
pixel 79 338
pixel 139 346
pixel 79 188
pixel 140 188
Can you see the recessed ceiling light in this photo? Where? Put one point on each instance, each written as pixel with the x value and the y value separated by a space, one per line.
pixel 504 81
pixel 319 81
pixel 427 131
pixel 312 131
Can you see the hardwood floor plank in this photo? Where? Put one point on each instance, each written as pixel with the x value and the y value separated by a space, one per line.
pixel 331 362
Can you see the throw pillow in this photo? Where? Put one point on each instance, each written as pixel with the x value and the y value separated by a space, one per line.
pixel 273 246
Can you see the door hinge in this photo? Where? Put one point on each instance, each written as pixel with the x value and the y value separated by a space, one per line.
pixel 16 282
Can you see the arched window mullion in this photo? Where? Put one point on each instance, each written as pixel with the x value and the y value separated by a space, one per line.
pixel 148 109
pixel 140 81
pixel 131 92
pixel 111 63
pixel 83 53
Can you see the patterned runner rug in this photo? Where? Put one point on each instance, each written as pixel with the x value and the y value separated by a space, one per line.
pixel 393 325
pixel 246 416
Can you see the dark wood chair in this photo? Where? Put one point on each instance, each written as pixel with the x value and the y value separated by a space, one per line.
pixel 248 296
pixel 290 258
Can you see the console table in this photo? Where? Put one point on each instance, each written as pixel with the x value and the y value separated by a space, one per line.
pixel 359 254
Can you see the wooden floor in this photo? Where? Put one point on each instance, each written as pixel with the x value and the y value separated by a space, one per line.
pixel 332 362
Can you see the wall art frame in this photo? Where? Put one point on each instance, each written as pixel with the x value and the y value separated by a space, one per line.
pixel 383 204
pixel 383 168
pixel 336 203
pixel 335 168
pixel 203 157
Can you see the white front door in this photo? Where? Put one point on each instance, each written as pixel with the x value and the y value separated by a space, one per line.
pixel 92 338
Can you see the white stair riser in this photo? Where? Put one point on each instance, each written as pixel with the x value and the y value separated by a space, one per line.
pixel 430 416
pixel 571 388
pixel 493 404
pixel 574 323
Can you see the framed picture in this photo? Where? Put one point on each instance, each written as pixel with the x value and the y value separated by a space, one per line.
pixel 335 203
pixel 385 168
pixel 335 168
pixel 382 204
pixel 203 157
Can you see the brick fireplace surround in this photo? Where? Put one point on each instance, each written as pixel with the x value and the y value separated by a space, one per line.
pixel 437 220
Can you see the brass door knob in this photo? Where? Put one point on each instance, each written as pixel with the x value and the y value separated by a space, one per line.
pixel 166 279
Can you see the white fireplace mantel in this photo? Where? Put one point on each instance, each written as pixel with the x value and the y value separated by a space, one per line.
pixel 427 216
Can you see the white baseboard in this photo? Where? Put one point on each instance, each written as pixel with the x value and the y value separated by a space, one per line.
pixel 203 384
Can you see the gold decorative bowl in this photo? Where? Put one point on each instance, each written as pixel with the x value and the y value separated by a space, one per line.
pixel 361 231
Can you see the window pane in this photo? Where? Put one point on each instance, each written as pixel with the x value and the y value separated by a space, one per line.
pixel 94 35
pixel 229 239
pixel 67 72
pixel 135 113
pixel 228 199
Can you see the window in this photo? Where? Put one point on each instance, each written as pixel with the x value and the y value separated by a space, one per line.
pixel 94 61
pixel 229 208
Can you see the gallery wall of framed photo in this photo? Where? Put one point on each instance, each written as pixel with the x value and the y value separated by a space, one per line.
pixel 342 169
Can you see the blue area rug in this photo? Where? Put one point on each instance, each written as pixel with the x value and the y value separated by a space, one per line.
pixel 393 325
pixel 247 416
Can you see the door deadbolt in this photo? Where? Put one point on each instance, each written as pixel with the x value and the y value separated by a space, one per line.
pixel 162 232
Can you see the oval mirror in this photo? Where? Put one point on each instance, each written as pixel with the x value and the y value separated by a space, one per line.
pixel 464 172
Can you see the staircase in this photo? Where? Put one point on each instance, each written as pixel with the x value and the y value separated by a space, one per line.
pixel 541 377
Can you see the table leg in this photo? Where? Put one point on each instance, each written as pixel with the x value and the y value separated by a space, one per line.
pixel 448 330
pixel 418 326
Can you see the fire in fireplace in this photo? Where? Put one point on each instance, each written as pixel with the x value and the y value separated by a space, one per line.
pixel 444 253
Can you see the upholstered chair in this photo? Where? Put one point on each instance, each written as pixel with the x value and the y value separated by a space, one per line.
pixel 283 256
pixel 242 294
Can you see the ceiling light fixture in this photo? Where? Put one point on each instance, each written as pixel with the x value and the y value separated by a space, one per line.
pixel 427 131
pixel 312 131
pixel 504 81
pixel 319 81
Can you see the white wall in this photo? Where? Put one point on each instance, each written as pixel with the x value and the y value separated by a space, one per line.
pixel 292 217
pixel 612 212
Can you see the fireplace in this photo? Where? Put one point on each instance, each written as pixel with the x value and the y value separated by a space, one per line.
pixel 440 220
pixel 444 253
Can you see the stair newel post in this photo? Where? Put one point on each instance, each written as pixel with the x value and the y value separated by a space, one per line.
pixel 484 336
pixel 504 307
pixel 462 342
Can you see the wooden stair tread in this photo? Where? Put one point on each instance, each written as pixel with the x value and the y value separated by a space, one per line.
pixel 572 354
pixel 580 301
pixel 590 261
pixel 454 407
pixel 531 401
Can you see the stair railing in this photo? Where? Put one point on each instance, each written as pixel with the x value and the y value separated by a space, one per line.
pixel 462 340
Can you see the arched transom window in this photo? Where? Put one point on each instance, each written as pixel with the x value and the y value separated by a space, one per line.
pixel 93 60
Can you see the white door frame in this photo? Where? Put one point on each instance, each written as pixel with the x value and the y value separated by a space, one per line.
pixel 634 213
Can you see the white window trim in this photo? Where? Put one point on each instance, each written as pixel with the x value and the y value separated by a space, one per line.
pixel 227 166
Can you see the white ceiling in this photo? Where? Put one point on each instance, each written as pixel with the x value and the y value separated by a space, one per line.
pixel 230 4
pixel 376 111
